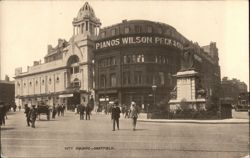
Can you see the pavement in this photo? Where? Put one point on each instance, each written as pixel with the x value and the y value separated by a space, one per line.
pixel 223 121
pixel 67 137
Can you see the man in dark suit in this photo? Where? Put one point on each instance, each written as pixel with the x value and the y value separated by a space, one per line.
pixel 81 111
pixel 33 115
pixel 27 111
pixel 115 115
pixel 88 110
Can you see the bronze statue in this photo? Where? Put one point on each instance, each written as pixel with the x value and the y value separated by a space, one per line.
pixel 187 60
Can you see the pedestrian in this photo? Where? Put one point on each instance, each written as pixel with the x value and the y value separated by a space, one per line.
pixel 33 115
pixel 27 114
pixel 2 114
pixel 115 115
pixel 14 107
pixel 19 108
pixel 81 110
pixel 87 109
pixel 54 111
pixel 58 110
pixel 126 112
pixel 63 109
pixel 134 114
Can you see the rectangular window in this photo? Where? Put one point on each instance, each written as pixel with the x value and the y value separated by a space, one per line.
pixel 71 70
pixel 150 30
pixel 125 59
pixel 113 61
pixel 113 32
pixel 112 80
pixel 150 79
pixel 103 34
pixel 162 78
pixel 76 69
pixel 126 30
pixel 87 25
pixel 103 81
pixel 137 29
pixel 126 78
pixel 138 77
pixel 134 58
pixel 129 59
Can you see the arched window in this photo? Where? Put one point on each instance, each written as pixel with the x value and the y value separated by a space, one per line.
pixel 76 83
pixel 73 64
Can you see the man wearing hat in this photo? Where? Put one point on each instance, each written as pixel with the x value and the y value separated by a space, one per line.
pixel 27 112
pixel 33 114
pixel 115 115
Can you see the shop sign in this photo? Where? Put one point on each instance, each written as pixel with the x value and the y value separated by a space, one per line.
pixel 66 95
pixel 138 40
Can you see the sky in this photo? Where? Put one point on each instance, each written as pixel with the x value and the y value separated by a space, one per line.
pixel 27 27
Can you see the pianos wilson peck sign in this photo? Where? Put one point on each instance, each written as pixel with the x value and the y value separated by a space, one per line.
pixel 138 40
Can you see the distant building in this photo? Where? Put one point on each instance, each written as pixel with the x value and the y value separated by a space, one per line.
pixel 7 91
pixel 232 88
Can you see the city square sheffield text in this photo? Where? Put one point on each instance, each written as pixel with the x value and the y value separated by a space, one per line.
pixel 138 40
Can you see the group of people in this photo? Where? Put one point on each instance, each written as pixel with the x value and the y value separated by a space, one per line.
pixel 115 114
pixel 81 109
pixel 59 110
pixel 31 114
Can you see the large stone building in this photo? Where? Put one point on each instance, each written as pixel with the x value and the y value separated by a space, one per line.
pixel 66 74
pixel 128 58
pixel 136 61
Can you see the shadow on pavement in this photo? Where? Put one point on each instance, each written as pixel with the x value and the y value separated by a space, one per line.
pixel 6 128
pixel 132 129
pixel 46 120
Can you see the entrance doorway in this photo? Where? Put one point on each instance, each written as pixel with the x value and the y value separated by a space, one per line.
pixel 75 100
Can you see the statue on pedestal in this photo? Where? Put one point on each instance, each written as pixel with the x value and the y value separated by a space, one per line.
pixel 187 60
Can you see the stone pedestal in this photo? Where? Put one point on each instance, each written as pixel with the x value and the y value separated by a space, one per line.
pixel 186 92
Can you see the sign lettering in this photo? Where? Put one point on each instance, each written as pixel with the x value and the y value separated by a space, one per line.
pixel 138 40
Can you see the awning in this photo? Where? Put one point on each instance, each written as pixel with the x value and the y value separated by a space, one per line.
pixel 65 95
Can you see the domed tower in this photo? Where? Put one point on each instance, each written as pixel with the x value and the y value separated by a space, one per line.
pixel 86 22
pixel 79 55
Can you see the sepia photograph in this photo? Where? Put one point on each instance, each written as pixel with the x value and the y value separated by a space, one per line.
pixel 124 79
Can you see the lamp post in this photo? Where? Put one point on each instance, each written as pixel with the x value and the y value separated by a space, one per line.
pixel 154 89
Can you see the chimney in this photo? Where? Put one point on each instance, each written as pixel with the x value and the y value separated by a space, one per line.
pixel 50 48
pixel 7 78
pixel 35 63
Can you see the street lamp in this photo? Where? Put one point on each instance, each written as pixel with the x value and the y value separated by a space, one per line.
pixel 154 89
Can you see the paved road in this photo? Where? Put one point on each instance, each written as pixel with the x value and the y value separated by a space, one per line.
pixel 70 137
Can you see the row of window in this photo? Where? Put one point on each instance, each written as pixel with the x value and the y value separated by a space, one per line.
pixel 107 62
pixel 135 58
pixel 158 79
pixel 36 82
pixel 139 29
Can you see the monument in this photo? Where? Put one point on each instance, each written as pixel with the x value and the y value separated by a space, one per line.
pixel 188 93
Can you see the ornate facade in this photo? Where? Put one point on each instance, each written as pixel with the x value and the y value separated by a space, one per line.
pixel 66 74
